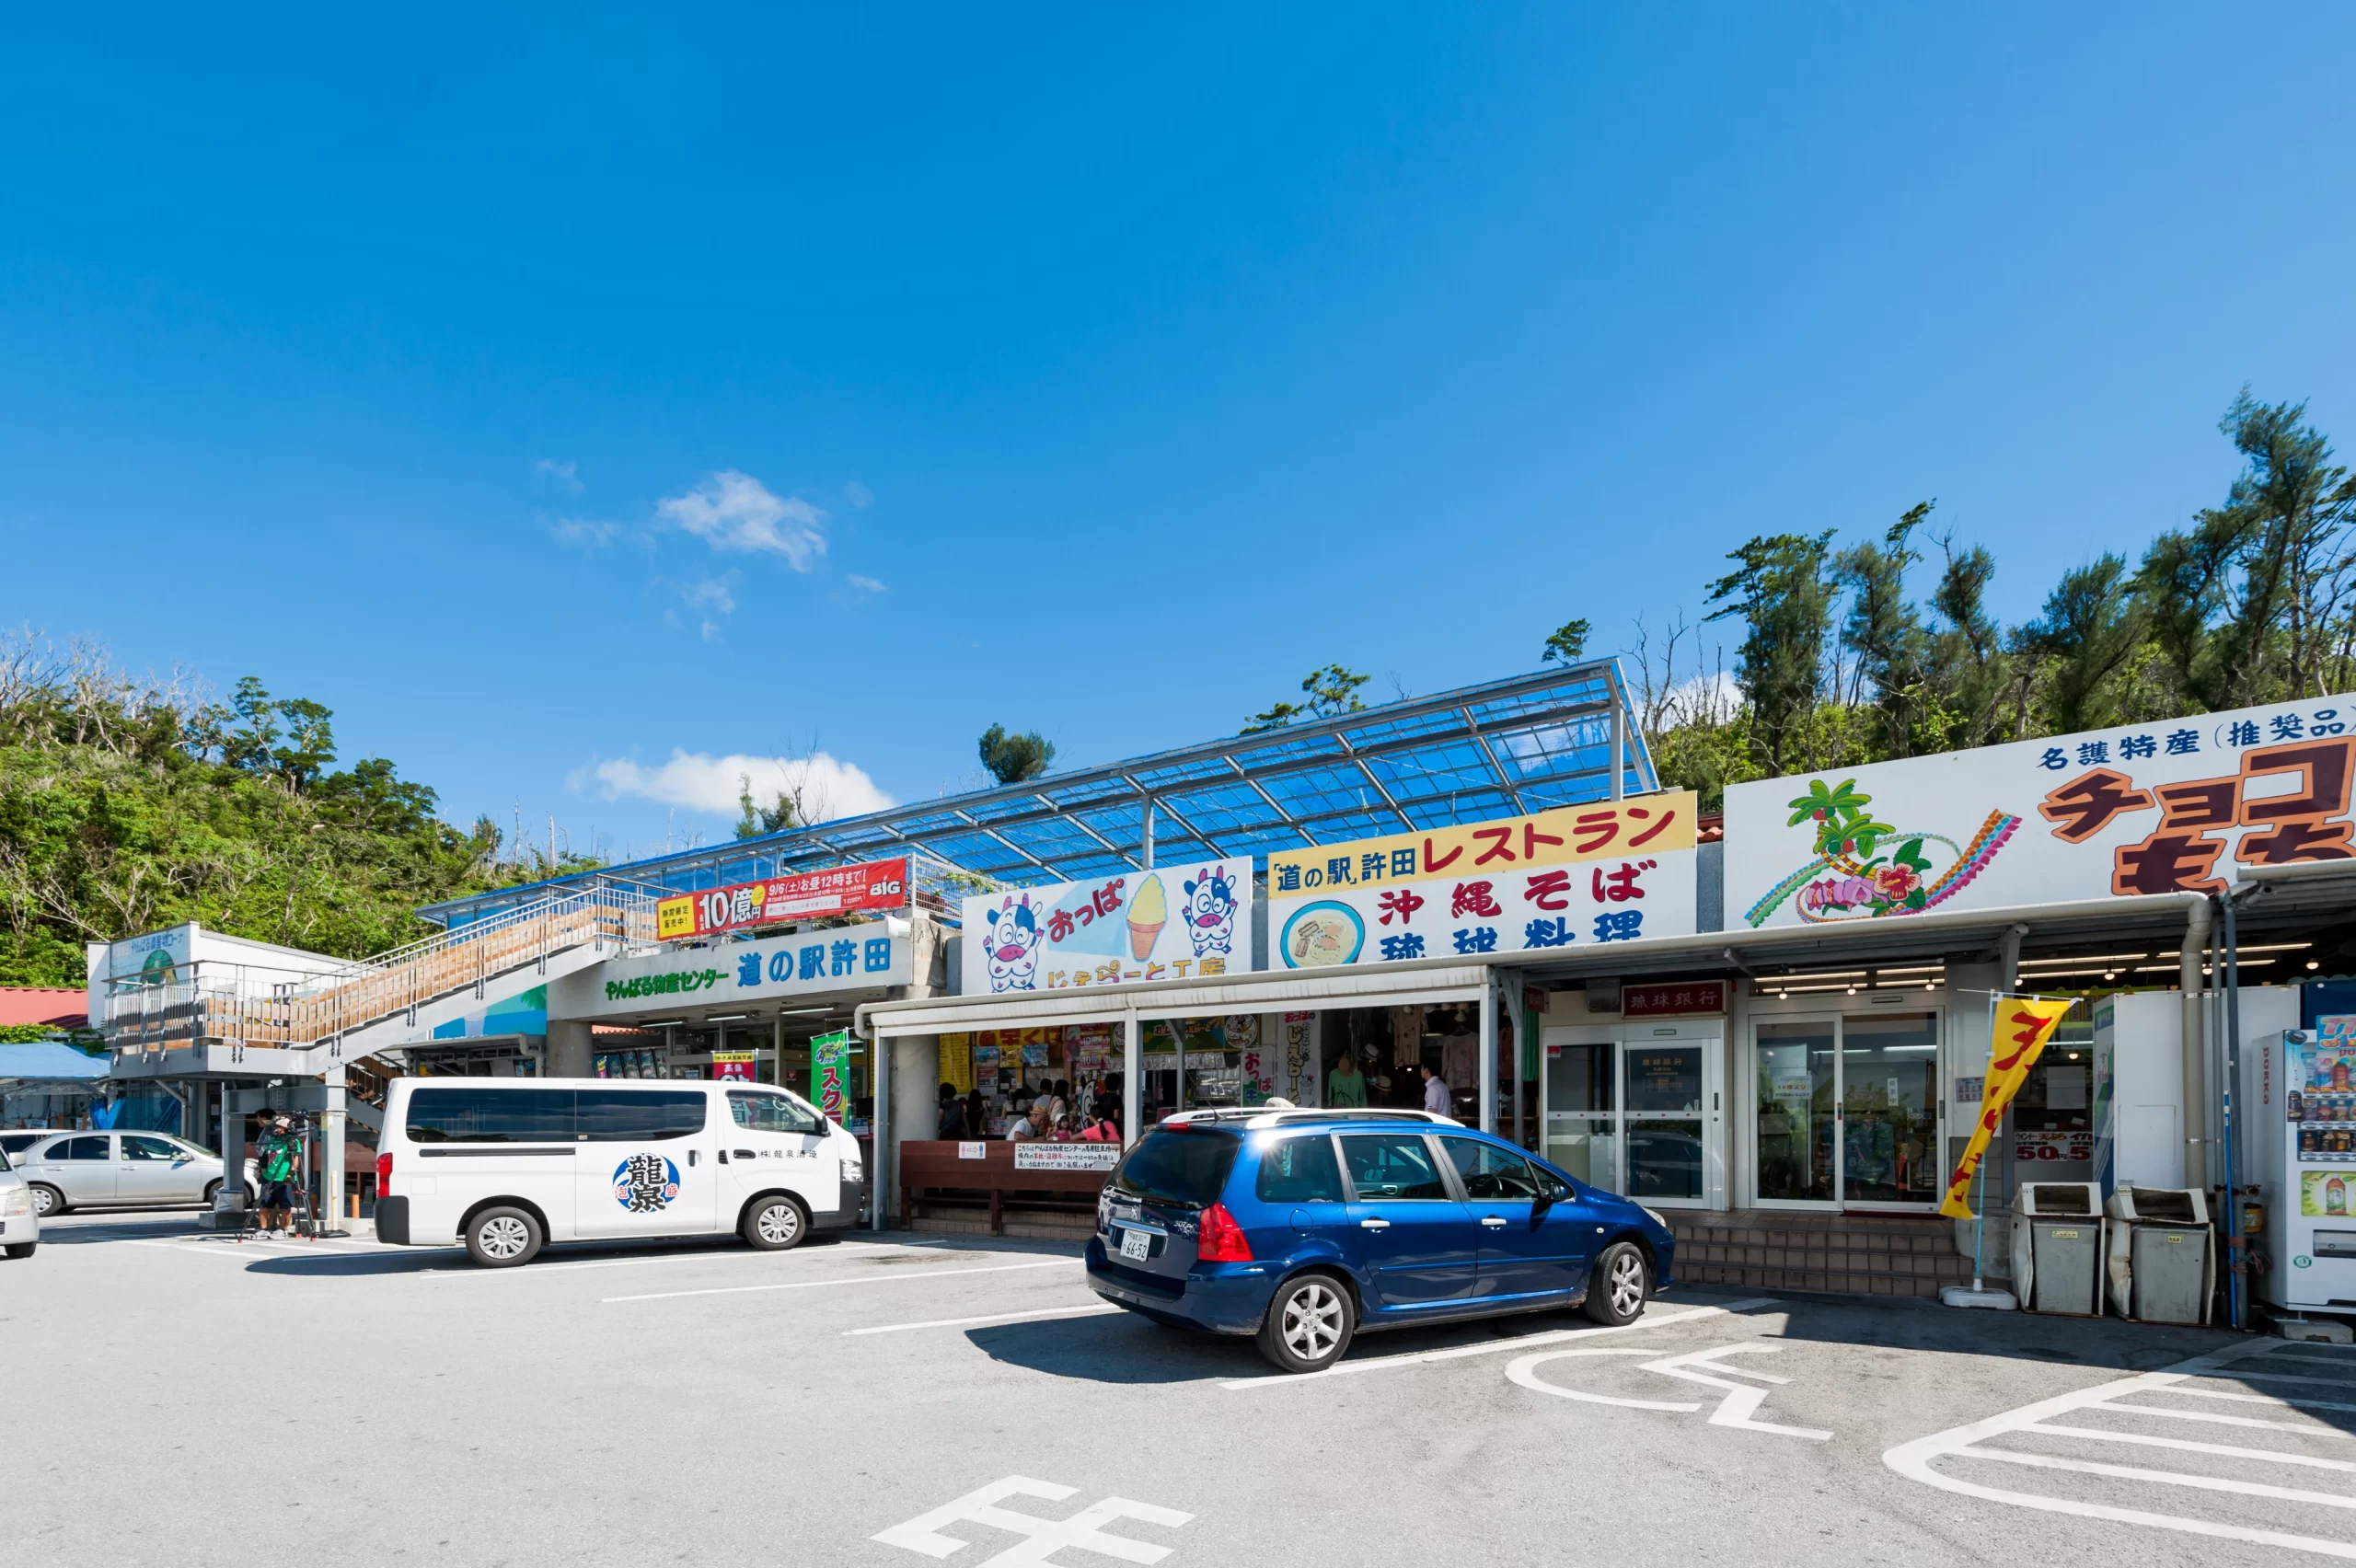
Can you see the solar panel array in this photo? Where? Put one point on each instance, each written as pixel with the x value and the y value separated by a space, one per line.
pixel 1503 749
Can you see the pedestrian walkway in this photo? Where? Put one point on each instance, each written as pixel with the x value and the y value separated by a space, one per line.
pixel 2255 1443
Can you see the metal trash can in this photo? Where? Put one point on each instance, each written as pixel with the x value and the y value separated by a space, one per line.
pixel 2057 1248
pixel 2161 1260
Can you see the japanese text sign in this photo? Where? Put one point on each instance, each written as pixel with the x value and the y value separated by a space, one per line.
pixel 1681 998
pixel 1042 1156
pixel 2140 809
pixel 830 1073
pixel 837 889
pixel 1191 918
pixel 1577 876
pixel 846 958
pixel 2023 1026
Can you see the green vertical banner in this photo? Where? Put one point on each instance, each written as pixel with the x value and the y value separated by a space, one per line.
pixel 830 1073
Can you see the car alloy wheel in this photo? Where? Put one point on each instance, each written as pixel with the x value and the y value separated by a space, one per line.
pixel 505 1237
pixel 1312 1320
pixel 45 1201
pixel 1627 1284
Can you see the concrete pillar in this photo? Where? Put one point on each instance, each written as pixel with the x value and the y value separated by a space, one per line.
pixel 570 1049
pixel 1488 1067
pixel 331 1132
pixel 2195 1047
pixel 1132 1077
pixel 916 1101
pixel 879 1131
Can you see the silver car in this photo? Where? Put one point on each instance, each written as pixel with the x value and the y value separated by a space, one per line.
pixel 20 1226
pixel 67 1171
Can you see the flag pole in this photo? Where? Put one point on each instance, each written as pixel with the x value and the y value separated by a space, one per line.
pixel 1980 1225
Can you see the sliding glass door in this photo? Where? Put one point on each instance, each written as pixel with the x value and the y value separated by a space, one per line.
pixel 1845 1111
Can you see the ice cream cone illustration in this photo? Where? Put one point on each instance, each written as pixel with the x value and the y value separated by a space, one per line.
pixel 1149 912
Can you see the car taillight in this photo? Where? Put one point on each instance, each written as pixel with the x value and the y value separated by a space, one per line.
pixel 384 1175
pixel 1222 1240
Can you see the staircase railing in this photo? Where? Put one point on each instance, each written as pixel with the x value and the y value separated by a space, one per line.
pixel 351 996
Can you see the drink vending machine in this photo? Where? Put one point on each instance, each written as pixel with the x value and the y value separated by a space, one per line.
pixel 2298 1135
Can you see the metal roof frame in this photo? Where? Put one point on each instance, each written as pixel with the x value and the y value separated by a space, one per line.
pixel 1503 748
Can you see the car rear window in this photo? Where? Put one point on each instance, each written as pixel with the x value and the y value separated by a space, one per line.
pixel 1299 1170
pixel 1178 1168
pixel 491 1115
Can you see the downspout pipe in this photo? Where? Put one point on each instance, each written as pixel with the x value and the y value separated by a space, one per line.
pixel 2190 985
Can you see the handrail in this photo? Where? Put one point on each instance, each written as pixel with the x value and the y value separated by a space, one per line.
pixel 323 1007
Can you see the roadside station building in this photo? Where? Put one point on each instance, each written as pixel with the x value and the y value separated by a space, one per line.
pixel 1771 1024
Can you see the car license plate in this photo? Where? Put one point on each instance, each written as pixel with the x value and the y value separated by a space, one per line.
pixel 1135 1244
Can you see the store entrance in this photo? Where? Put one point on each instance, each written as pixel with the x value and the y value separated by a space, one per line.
pixel 1846 1111
pixel 1626 1115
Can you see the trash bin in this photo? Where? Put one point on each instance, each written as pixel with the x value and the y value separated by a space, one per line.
pixel 2161 1262
pixel 2057 1248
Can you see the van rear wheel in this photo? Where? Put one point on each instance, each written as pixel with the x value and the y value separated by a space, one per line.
pixel 502 1237
pixel 774 1224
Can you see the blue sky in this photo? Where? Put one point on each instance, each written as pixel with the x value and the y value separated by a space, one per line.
pixel 555 398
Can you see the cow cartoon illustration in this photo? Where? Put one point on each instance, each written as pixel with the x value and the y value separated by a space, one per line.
pixel 1210 911
pixel 1012 940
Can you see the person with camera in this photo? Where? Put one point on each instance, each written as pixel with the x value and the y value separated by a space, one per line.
pixel 277 1163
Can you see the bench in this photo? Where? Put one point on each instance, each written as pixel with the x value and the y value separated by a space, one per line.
pixel 935 1165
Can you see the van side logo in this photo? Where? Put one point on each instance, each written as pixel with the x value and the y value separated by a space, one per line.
pixel 645 1184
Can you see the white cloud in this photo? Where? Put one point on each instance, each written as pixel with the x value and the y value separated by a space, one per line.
pixel 564 475
pixel 711 594
pixel 586 532
pixel 865 584
pixel 860 495
pixel 829 787
pixel 735 512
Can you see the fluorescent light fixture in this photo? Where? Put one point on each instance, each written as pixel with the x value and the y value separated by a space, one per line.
pixel 659 1024
pixel 801 1012
pixel 726 1017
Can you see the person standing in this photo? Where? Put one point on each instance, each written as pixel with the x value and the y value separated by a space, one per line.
pixel 1436 1096
pixel 278 1159
pixel 953 1115
pixel 1346 1086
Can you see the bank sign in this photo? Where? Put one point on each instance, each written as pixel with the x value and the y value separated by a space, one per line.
pixel 2119 813
pixel 1577 877
pixel 1187 919
pixel 804 895
pixel 848 958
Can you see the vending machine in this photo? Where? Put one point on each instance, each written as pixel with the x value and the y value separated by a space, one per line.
pixel 2298 1116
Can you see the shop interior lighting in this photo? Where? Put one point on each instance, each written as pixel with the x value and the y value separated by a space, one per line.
pixel 659 1024
pixel 801 1012
pixel 726 1017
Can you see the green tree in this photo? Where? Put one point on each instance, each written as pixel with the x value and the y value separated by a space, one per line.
pixel 2091 627
pixel 756 819
pixel 1886 633
pixel 1567 643
pixel 1012 758
pixel 1783 592
pixel 1332 691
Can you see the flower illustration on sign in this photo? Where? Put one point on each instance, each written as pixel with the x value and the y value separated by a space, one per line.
pixel 1853 877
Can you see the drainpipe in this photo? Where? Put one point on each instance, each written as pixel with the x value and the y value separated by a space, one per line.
pixel 2008 957
pixel 2194 1053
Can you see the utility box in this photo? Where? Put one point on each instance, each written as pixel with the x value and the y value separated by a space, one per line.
pixel 2057 1248
pixel 2162 1262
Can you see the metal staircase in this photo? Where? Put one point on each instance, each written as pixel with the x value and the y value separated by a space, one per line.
pixel 346 1011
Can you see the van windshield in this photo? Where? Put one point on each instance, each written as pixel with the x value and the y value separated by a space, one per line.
pixel 1178 1168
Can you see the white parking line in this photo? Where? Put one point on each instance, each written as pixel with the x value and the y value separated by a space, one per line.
pixel 985 1317
pixel 1519 1341
pixel 852 1279
pixel 1918 1460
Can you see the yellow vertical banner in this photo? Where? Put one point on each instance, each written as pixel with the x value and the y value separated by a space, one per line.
pixel 2023 1026
pixel 957 1062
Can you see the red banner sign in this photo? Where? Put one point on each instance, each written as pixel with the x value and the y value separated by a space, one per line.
pixel 1682 998
pixel 805 895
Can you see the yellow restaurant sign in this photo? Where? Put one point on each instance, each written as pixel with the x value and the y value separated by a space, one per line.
pixel 1576 875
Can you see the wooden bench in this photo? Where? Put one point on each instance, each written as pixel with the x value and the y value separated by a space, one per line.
pixel 934 1165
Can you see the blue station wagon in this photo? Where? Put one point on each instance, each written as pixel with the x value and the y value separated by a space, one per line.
pixel 1304 1227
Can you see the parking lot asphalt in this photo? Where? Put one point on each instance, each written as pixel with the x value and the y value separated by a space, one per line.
pixel 874 1401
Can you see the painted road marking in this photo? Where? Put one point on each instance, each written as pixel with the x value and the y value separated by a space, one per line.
pixel 850 1279
pixel 985 1317
pixel 1519 1341
pixel 1084 1531
pixel 1918 1460
pixel 1737 1409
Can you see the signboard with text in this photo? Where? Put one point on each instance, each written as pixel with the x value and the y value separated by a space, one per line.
pixel 854 959
pixel 804 895
pixel 1040 1154
pixel 1679 998
pixel 2119 813
pixel 1189 918
pixel 1579 876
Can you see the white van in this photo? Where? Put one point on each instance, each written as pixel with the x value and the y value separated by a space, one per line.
pixel 507 1165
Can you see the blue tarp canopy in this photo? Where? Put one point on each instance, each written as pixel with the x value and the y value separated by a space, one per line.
pixel 49 1059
